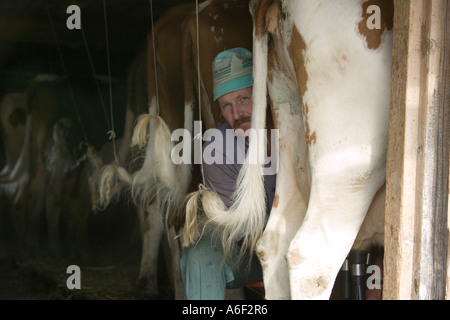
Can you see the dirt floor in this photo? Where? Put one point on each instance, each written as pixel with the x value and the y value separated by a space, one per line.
pixel 109 268
pixel 109 265
pixel 108 275
pixel 108 258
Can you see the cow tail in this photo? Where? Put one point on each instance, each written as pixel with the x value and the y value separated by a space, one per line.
pixel 159 178
pixel 144 180
pixel 140 133
pixel 191 227
pixel 246 216
pixel 250 193
pixel 105 186
pixel 109 180
pixel 164 163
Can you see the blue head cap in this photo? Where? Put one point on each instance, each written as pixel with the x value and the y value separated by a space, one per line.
pixel 232 70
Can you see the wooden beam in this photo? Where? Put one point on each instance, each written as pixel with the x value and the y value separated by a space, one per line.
pixel 399 235
pixel 446 84
pixel 416 229
pixel 447 293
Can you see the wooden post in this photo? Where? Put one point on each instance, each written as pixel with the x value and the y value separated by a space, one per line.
pixel 416 230
pixel 447 294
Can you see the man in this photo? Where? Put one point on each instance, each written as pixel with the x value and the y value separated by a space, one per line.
pixel 205 276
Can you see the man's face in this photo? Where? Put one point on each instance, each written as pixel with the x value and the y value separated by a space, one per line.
pixel 236 108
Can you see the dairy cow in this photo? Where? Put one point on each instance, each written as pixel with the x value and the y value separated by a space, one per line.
pixel 157 185
pixel 326 65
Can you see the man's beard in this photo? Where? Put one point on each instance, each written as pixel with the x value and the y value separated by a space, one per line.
pixel 237 123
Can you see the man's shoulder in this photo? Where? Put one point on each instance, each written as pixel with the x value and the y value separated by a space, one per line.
pixel 210 135
pixel 223 127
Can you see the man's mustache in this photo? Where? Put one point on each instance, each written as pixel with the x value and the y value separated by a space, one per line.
pixel 237 123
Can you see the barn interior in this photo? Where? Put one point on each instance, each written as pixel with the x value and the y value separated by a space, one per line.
pixel 35 38
pixel 93 62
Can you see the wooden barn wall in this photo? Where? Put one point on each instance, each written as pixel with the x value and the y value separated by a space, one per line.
pixel 417 211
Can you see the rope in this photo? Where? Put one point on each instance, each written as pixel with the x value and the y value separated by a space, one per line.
pixel 199 92
pixel 111 133
pixel 94 72
pixel 154 58
pixel 66 74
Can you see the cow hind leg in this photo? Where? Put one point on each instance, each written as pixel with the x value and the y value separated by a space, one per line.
pixel 272 246
pixel 172 255
pixel 336 211
pixel 288 209
pixel 150 220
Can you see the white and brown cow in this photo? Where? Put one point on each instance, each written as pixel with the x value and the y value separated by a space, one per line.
pixel 222 24
pixel 326 65
pixel 39 180
pixel 158 186
pixel 144 169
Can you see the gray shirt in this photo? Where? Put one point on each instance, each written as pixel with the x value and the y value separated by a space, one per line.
pixel 222 177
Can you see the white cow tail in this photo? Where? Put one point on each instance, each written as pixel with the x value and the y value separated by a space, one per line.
pixel 247 214
pixel 159 176
pixel 106 183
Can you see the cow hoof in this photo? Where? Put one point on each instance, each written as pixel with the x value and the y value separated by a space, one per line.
pixel 147 290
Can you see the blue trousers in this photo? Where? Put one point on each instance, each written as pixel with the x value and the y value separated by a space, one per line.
pixel 206 276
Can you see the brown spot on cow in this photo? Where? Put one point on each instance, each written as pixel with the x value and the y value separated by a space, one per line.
pixel 275 201
pixel 311 138
pixel 293 258
pixel 296 49
pixel 261 254
pixel 373 36
pixel 316 285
